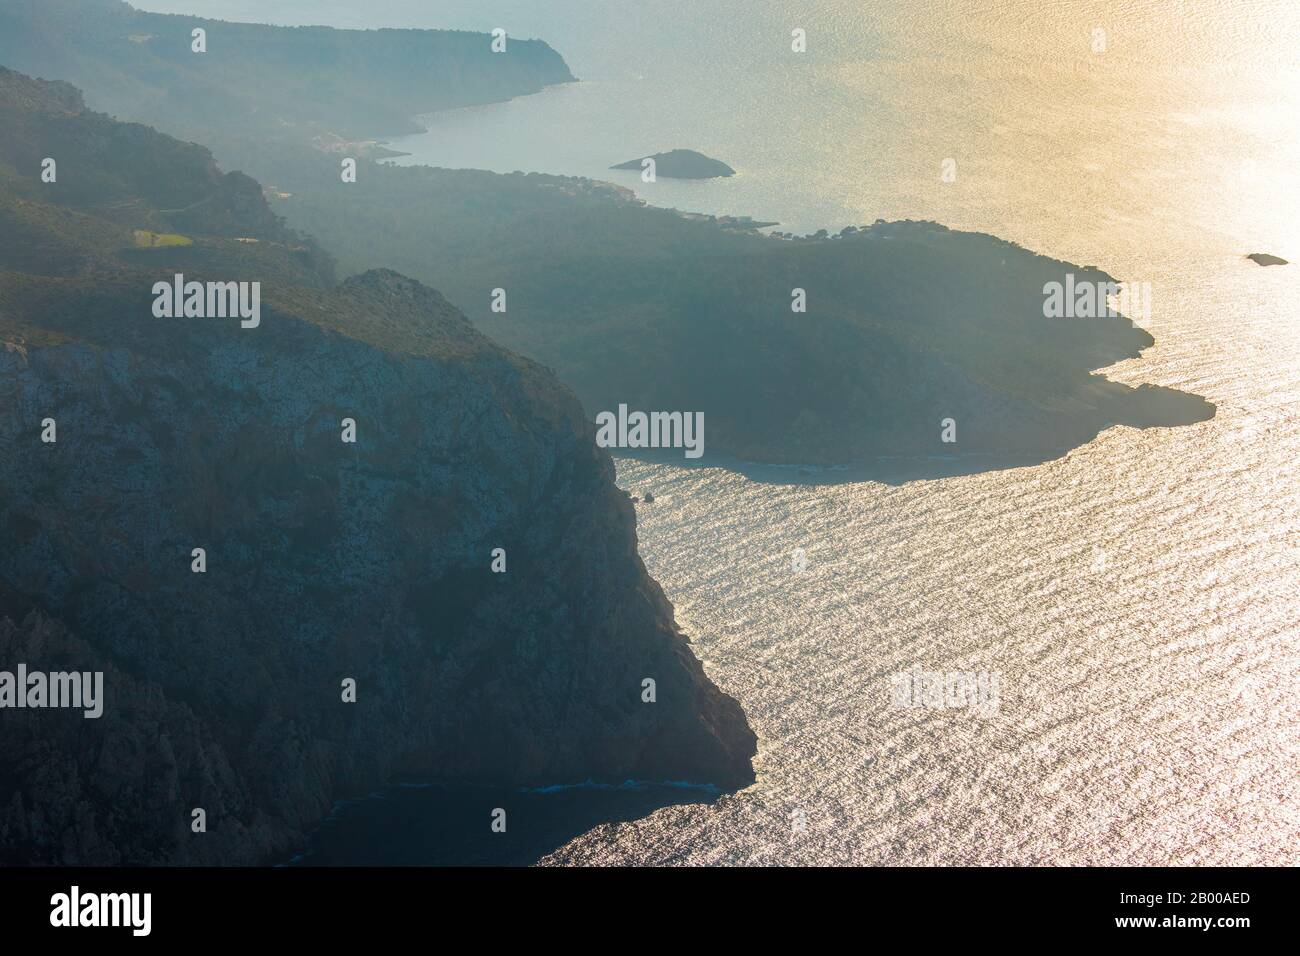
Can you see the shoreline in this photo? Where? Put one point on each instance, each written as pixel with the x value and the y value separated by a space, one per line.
pixel 885 469
pixel 445 823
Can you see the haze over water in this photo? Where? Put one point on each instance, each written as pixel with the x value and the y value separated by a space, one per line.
pixel 1139 596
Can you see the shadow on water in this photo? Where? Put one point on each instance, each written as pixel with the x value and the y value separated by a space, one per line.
pixel 451 825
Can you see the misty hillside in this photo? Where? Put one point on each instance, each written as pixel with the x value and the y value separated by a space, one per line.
pixel 324 560
pixel 265 80
pixel 907 324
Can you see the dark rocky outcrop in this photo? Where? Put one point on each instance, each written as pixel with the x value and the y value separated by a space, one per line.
pixel 325 560
pixel 682 164
pixel 1264 259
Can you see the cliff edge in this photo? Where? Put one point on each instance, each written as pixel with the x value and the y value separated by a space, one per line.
pixel 324 560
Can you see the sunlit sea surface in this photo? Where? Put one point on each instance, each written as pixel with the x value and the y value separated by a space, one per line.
pixel 1140 596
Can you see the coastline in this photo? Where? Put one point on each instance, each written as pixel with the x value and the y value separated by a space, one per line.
pixel 446 823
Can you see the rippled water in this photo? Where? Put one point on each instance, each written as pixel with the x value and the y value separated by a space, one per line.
pixel 1139 597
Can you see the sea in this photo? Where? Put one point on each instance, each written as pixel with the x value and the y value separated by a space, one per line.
pixel 1137 599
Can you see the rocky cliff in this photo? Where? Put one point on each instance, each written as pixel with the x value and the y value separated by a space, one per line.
pixel 324 560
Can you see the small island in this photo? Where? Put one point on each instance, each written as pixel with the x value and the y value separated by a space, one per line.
pixel 682 164
pixel 1264 259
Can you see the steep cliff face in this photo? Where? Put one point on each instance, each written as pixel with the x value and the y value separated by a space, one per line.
pixel 325 560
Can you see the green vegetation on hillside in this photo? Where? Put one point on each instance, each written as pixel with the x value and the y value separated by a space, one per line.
pixel 144 239
pixel 125 197
pixel 907 323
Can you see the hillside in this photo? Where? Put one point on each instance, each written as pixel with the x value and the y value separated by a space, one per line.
pixel 323 560
pixel 263 80
pixel 907 324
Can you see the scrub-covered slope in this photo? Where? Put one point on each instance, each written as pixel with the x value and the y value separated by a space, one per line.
pixel 323 560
